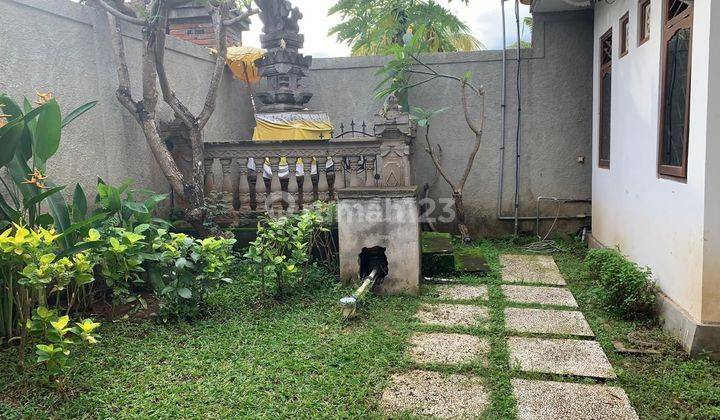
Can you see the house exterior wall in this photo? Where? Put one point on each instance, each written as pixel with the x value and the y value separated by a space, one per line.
pixel 668 225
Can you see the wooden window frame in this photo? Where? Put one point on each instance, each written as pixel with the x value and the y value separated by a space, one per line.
pixel 670 27
pixel 624 35
pixel 605 68
pixel 642 36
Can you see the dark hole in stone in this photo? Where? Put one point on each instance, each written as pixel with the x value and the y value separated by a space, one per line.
pixel 371 258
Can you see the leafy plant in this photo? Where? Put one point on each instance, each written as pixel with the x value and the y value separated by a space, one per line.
pixel 216 206
pixel 54 330
pixel 120 254
pixel 125 207
pixel 283 246
pixel 33 273
pixel 621 285
pixel 190 269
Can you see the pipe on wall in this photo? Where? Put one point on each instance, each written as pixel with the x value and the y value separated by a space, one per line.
pixel 516 218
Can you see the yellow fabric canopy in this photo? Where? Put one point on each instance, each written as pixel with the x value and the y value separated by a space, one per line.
pixel 241 60
pixel 301 125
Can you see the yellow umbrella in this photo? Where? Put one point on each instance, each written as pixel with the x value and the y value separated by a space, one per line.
pixel 241 60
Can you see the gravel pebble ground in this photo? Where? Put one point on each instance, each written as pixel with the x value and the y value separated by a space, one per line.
pixel 530 269
pixel 448 348
pixel 452 315
pixel 462 292
pixel 547 321
pixel 568 401
pixel 539 294
pixel 425 393
pixel 561 356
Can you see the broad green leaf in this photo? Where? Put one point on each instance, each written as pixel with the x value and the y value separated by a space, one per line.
pixel 78 112
pixel 184 293
pixel 40 197
pixel 47 132
pixel 136 207
pixel 79 203
pixel 10 136
pixel 61 214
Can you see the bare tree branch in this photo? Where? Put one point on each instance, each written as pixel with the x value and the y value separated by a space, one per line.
pixel 221 39
pixel 435 160
pixel 120 15
pixel 244 15
pixel 124 93
pixel 477 129
pixel 168 94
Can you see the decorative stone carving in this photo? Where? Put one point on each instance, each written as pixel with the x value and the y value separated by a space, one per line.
pixel 396 132
pixel 282 66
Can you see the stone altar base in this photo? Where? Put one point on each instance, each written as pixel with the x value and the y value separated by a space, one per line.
pixel 382 221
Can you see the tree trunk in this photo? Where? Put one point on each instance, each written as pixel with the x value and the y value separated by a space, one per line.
pixel 460 216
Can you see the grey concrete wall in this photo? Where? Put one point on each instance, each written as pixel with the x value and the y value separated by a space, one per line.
pixel 64 48
pixel 556 118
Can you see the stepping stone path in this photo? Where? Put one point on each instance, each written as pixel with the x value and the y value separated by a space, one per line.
pixel 450 315
pixel 538 284
pixel 448 348
pixel 546 321
pixel 462 292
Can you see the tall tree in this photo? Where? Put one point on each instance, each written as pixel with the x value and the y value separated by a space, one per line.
pixel 153 22
pixel 370 26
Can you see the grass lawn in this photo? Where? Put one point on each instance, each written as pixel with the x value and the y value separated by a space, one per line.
pixel 296 359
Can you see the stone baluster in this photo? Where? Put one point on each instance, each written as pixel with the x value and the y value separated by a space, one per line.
pixel 307 194
pixel 339 179
pixel 243 190
pixel 227 184
pixel 209 176
pixel 260 189
pixel 370 162
pixel 291 197
pixel 323 187
pixel 353 171
pixel 275 187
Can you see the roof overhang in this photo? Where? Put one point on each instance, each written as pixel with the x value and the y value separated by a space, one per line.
pixel 542 6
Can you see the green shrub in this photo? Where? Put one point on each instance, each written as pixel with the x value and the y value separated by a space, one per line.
pixel 623 287
pixel 281 252
pixel 189 269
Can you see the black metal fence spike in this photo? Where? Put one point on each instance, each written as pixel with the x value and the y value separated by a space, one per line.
pixel 342 128
pixel 352 125
pixel 364 127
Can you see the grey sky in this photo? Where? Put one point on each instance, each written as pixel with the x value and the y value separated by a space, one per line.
pixel 482 16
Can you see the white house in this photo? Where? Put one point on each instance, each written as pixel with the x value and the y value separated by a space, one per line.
pixel 656 150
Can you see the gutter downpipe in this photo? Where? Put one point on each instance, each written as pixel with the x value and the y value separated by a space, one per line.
pixel 519 113
pixel 503 105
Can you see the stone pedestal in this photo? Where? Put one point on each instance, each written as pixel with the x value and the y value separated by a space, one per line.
pixel 384 217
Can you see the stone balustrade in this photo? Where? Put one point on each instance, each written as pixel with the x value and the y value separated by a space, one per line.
pixel 286 175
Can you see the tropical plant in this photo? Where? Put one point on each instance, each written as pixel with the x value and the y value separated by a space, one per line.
pixel 190 269
pixel 405 71
pixel 370 26
pixel 283 247
pixel 34 274
pixel 58 337
pixel 126 207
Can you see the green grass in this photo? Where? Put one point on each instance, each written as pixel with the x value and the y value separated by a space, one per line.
pixel 264 359
pixel 291 359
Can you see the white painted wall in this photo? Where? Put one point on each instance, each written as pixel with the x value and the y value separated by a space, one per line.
pixel 656 222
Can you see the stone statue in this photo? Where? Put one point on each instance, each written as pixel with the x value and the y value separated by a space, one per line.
pixel 278 16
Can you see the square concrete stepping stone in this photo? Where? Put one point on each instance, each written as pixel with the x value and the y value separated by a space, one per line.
pixel 425 393
pixel 547 321
pixel 564 357
pixel 448 348
pixel 462 292
pixel 567 401
pixel 452 315
pixel 539 294
pixel 530 269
